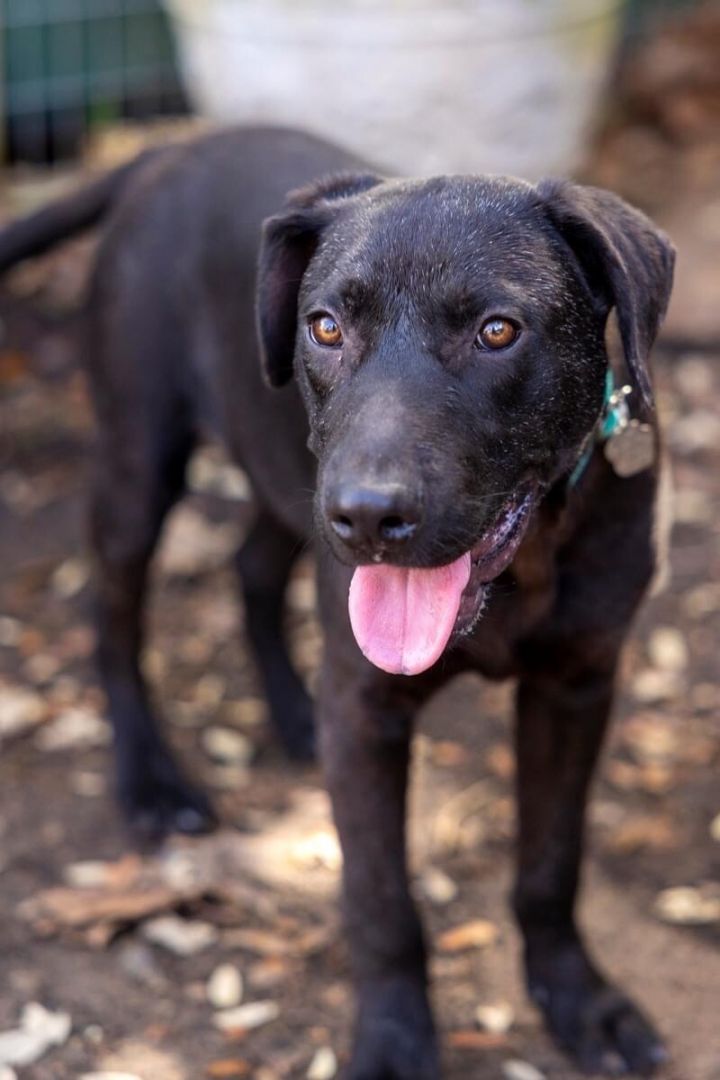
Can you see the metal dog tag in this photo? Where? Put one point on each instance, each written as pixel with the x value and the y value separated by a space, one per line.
pixel 631 450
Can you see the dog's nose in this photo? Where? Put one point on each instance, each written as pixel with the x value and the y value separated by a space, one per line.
pixel 373 518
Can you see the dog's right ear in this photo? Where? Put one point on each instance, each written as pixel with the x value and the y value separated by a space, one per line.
pixel 289 242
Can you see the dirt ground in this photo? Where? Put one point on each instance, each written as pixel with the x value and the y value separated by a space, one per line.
pixel 259 895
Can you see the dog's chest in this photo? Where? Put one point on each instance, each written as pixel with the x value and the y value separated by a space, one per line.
pixel 519 601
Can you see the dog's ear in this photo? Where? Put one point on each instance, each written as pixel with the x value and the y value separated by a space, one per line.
pixel 288 243
pixel 627 262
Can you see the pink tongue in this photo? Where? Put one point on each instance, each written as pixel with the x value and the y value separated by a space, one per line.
pixel 402 619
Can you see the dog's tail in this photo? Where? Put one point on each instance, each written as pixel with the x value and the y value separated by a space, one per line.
pixel 36 233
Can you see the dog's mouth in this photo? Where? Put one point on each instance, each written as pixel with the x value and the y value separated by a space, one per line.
pixel 404 617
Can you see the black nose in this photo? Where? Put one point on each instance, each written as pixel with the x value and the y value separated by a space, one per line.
pixel 371 519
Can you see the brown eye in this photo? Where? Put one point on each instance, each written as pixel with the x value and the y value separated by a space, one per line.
pixel 325 331
pixel 496 334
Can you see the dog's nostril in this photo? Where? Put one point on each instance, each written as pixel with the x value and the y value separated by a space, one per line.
pixel 343 526
pixel 370 519
pixel 395 529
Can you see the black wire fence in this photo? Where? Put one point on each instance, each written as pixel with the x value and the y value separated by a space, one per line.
pixel 69 66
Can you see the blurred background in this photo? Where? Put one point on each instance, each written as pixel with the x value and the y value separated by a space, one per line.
pixel 118 963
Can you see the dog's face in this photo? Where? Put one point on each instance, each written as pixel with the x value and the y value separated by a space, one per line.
pixel 449 343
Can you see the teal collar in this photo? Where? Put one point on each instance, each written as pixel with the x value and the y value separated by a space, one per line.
pixel 613 417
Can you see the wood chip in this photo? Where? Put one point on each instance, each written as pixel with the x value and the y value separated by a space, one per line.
pixel 655 778
pixel 20 711
pixel 667 649
pixel 324 1065
pixel 476 1040
pixel 88 784
pixel 643 833
pixel 651 684
pixel 687 906
pixel 520 1070
pixel 75 729
pixel 69 578
pixel 80 907
pixel 477 934
pixel 110 1076
pixel 500 760
pixel 247 712
pixel 437 886
pixel 496 1019
pixel 447 754
pixel 225 987
pixel 225 745
pixel 319 850
pixel 246 1017
pixel 265 943
pixel 459 823
pixel 192 544
pixel 227 1069
pixel 95 874
pixel 183 937
pixel 38 1031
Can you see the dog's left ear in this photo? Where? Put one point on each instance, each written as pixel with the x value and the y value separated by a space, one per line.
pixel 288 243
pixel 627 262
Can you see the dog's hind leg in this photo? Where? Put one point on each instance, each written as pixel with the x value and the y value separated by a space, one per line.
pixel 140 469
pixel 264 562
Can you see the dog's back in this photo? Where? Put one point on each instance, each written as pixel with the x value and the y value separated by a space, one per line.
pixel 171 301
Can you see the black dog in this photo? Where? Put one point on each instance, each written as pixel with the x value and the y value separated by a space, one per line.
pixel 447 339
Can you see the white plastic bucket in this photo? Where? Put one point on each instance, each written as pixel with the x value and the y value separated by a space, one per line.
pixel 422 87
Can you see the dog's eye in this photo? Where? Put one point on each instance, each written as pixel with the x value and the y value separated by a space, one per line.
pixel 325 331
pixel 496 333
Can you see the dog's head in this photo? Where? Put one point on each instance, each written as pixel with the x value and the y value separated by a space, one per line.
pixel 448 338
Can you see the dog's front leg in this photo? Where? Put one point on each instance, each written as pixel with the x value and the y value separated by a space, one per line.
pixel 561 722
pixel 365 729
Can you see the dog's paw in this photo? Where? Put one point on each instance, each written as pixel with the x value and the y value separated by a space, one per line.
pixel 595 1022
pixel 157 800
pixel 395 1035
